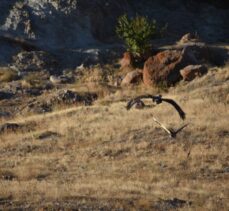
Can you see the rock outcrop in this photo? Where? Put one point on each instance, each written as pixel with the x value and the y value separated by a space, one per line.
pixel 192 71
pixel 75 29
pixel 165 66
pixel 69 97
pixel 35 61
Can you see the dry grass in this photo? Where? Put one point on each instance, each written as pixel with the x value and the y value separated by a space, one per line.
pixel 106 157
pixel 7 74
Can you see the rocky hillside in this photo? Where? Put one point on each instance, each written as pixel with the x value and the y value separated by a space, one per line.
pixel 79 30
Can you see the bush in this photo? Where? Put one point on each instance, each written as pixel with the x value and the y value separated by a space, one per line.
pixel 137 34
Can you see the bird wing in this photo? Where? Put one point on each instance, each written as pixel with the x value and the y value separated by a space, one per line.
pixel 137 99
pixel 176 106
pixel 163 126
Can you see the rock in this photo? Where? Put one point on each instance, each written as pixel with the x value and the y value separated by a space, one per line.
pixel 127 60
pixel 35 61
pixel 33 91
pixel 165 66
pixel 37 108
pixel 191 71
pixel 60 79
pixel 132 77
pixel 7 175
pixel 9 127
pixel 48 135
pixel 70 97
pixel 199 52
pixel 4 114
pixel 62 26
pixel 171 204
pixel 189 37
pixel 55 79
pixel 5 95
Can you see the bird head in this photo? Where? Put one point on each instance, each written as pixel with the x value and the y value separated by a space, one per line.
pixel 157 99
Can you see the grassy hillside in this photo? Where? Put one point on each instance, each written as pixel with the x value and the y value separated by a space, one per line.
pixel 104 157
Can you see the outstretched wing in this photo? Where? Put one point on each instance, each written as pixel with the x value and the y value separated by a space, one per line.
pixel 176 106
pixel 131 103
pixel 136 100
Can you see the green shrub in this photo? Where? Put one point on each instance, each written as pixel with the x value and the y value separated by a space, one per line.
pixel 136 33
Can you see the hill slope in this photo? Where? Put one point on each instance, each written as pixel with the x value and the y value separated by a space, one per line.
pixel 105 157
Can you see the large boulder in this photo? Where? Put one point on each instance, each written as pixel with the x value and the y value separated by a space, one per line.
pixel 192 71
pixel 165 66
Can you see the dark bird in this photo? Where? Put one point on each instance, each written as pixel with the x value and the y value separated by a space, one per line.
pixel 156 99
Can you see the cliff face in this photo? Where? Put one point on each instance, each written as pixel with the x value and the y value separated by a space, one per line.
pixel 56 25
pixel 61 23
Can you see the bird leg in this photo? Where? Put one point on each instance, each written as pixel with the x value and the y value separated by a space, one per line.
pixel 171 131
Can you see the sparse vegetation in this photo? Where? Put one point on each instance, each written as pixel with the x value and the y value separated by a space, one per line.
pixel 103 156
pixel 7 75
pixel 35 80
pixel 68 140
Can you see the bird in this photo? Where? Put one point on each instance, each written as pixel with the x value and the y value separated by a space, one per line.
pixel 158 100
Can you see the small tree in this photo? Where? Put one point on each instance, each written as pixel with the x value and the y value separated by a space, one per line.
pixel 137 34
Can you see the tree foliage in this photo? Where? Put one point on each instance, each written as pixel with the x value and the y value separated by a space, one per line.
pixel 136 33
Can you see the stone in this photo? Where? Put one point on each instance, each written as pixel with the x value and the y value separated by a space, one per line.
pixel 164 67
pixel 132 77
pixel 35 61
pixel 32 91
pixel 60 79
pixel 192 71
pixel 127 60
pixel 70 97
pixel 189 37
pixel 9 127
pixel 200 52
pixel 37 107
pixel 5 95
pixel 4 114
pixel 55 79
pixel 48 135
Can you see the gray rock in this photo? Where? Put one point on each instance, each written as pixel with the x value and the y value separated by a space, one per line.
pixel 35 61
pixel 4 114
pixel 5 95
pixel 70 97
pixel 37 107
pixel 9 127
pixel 192 71
pixel 65 26
pixel 48 135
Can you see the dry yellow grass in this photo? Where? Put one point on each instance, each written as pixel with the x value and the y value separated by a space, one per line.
pixel 107 157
